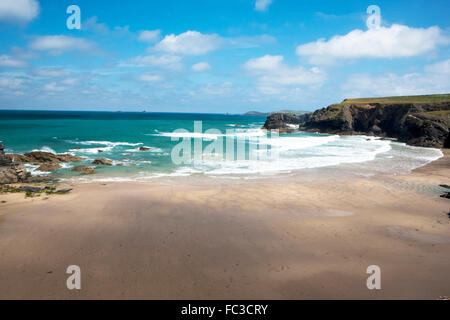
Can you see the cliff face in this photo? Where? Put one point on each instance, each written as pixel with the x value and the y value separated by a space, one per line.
pixel 416 124
pixel 424 125
pixel 281 120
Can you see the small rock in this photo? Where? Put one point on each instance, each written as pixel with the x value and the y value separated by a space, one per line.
pixel 47 167
pixel 30 189
pixel 79 168
pixel 102 161
pixel 63 191
pixel 89 170
pixel 446 195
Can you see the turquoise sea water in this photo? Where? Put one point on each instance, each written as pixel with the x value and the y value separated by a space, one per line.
pixel 120 135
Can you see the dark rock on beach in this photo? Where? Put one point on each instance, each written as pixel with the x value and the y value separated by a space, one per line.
pixel 102 161
pixel 47 167
pixel 11 172
pixel 39 157
pixel 84 169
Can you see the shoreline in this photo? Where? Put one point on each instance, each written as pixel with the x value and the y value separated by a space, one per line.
pixel 284 239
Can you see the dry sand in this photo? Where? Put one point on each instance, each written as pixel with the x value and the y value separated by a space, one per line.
pixel 265 239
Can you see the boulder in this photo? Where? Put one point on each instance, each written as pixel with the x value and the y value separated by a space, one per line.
pixel 84 169
pixel 4 161
pixel 89 170
pixel 102 161
pixel 13 174
pixel 39 157
pixel 47 167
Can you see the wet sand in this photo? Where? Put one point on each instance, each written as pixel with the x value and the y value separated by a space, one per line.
pixel 266 239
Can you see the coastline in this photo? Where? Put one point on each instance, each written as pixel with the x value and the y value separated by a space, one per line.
pixel 270 239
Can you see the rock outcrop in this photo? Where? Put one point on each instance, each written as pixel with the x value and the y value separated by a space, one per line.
pixel 281 121
pixel 11 172
pixel 40 157
pixel 84 169
pixel 103 162
pixel 417 124
pixel 425 125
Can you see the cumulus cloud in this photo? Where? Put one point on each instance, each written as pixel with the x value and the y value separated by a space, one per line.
pixel 149 35
pixel 383 42
pixel 59 44
pixel 19 10
pixel 262 5
pixel 11 62
pixel 435 79
pixel 189 43
pixel 201 66
pixel 273 75
pixel 150 78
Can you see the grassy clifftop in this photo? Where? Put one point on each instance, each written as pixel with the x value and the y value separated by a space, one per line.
pixel 434 98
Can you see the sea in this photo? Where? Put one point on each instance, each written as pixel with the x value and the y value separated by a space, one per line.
pixel 214 146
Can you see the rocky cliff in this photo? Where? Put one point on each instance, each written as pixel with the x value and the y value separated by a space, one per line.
pixel 418 124
pixel 281 121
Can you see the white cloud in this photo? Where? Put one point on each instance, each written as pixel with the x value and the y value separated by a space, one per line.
pixel 442 67
pixel 395 41
pixel 11 83
pixel 262 5
pixel 92 24
pixel 213 89
pixel 150 78
pixel 19 10
pixel 52 72
pixel 149 35
pixel 54 87
pixel 165 60
pixel 8 61
pixel 201 66
pixel 59 44
pixel 435 79
pixel 189 43
pixel 273 76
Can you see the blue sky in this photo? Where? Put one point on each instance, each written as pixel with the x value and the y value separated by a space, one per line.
pixel 218 56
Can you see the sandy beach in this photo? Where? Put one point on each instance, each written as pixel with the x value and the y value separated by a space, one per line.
pixel 264 239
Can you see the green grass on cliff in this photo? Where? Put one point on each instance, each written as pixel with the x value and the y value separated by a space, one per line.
pixel 296 112
pixel 434 98
pixel 440 113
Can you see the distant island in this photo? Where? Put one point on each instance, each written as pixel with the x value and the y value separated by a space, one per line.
pixel 265 114
pixel 256 113
pixel 417 120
